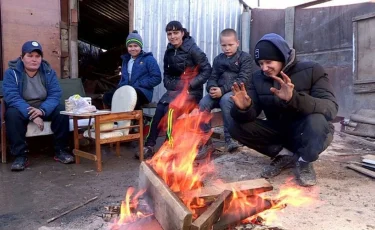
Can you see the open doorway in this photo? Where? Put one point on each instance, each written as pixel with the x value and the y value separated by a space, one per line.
pixel 102 29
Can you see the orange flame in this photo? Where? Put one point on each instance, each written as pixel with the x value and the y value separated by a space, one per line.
pixel 290 194
pixel 174 162
pixel 128 209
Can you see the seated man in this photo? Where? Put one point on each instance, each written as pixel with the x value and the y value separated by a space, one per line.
pixel 299 103
pixel 32 93
pixel 230 66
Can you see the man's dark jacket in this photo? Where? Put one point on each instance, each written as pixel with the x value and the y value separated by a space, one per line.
pixel 312 93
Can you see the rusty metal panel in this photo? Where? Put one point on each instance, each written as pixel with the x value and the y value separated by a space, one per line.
pixel 31 20
pixel 325 35
pixel 265 21
pixel 366 49
pixel 327 28
pixel 203 19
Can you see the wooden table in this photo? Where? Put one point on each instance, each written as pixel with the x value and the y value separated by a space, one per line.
pixel 101 117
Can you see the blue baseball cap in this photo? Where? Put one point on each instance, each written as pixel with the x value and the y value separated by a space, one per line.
pixel 30 46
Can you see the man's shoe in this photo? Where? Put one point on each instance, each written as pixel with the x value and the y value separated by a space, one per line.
pixel 305 173
pixel 19 164
pixel 205 150
pixel 278 164
pixel 63 157
pixel 148 152
pixel 231 145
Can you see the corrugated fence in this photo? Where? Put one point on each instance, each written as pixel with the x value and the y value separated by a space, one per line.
pixel 203 19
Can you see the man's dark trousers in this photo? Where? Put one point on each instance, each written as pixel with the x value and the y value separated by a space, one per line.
pixel 307 137
pixel 16 128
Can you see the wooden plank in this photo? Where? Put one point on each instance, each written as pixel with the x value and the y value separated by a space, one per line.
pixel 357 140
pixel 362 119
pixel 168 209
pixel 359 133
pixel 136 114
pixel 363 17
pixel 206 220
pixel 247 187
pixel 362 170
pixel 83 154
pixel 128 137
pixel 369 161
pixel 369 156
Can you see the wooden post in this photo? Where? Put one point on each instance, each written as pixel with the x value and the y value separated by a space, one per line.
pixel 3 132
pixel 289 25
pixel 97 144
pixel 131 15
pixel 168 209
pixel 76 138
pixel 141 157
pixel 73 38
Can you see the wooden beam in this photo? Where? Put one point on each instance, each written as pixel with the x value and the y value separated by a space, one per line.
pixel 206 220
pixel 85 155
pixel 364 171
pixel 362 119
pixel 168 209
pixel 290 25
pixel 247 187
pixel 131 15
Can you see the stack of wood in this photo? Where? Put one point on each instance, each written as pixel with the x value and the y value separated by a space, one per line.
pixel 361 124
pixel 366 166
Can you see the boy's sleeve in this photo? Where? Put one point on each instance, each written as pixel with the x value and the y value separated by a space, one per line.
pixel 213 79
pixel 246 68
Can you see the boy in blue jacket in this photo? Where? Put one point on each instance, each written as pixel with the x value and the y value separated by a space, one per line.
pixel 139 70
pixel 32 93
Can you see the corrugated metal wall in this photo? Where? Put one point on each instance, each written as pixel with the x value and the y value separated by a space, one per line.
pixel 203 19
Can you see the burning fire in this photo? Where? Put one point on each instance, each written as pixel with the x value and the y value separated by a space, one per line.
pixel 290 194
pixel 174 162
pixel 129 211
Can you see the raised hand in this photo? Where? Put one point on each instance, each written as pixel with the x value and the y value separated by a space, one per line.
pixel 286 87
pixel 240 97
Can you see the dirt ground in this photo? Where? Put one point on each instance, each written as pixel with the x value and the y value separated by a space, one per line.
pixel 346 199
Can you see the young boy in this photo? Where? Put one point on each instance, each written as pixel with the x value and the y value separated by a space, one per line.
pixel 230 66
pixel 299 103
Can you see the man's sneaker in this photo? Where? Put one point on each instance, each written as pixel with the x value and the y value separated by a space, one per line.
pixel 63 157
pixel 148 152
pixel 19 164
pixel 231 145
pixel 205 150
pixel 278 164
pixel 305 173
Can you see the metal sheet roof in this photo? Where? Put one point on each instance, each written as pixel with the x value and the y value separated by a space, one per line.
pixel 103 23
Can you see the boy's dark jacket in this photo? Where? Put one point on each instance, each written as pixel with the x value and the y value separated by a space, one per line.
pixel 313 93
pixel 226 71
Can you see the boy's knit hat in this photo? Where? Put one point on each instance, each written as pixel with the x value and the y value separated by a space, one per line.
pixel 134 37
